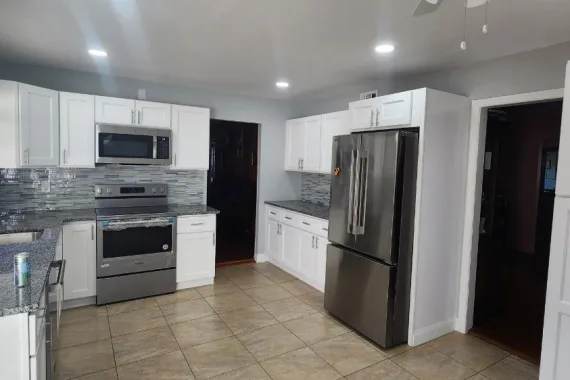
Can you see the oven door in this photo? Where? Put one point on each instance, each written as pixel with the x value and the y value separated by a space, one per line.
pixel 135 245
pixel 117 144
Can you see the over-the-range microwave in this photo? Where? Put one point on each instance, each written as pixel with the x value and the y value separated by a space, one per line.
pixel 132 145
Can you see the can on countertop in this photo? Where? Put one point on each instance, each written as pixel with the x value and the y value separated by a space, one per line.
pixel 21 269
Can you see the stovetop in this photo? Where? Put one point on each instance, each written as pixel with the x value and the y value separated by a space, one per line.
pixel 132 212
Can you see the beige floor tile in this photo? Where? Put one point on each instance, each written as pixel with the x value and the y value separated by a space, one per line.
pixel 134 321
pixel 316 300
pixel 233 271
pixel 109 374
pixel 385 370
pixel 297 287
pixel 171 366
pixel 511 368
pixel 229 301
pixel 143 345
pixel 388 352
pixel 468 350
pixel 270 341
pixel 251 280
pixel 73 334
pixel 85 359
pixel 269 293
pixel 263 267
pixel 178 296
pixel 221 285
pixel 250 318
pixel 278 275
pixel 478 377
pixel 287 309
pixel 315 328
pixel 199 331
pixel 186 311
pixel 301 364
pixel 82 314
pixel 123 307
pixel 252 372
pixel 347 353
pixel 426 363
pixel 218 357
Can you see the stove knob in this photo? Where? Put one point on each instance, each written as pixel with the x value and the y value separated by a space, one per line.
pixel 154 189
pixel 109 191
pixel 98 190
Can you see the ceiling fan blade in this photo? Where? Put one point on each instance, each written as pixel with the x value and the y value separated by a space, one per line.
pixel 427 6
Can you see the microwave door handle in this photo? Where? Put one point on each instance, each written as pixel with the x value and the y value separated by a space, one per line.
pixel 349 227
pixel 154 147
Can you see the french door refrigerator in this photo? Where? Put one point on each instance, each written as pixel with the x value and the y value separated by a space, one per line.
pixel 371 224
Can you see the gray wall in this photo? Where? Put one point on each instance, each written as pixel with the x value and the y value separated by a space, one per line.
pixel 541 69
pixel 274 182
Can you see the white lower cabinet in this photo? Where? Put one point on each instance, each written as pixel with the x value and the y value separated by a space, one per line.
pixel 196 251
pixel 297 244
pixel 80 255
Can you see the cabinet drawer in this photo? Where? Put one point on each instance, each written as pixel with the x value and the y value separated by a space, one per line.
pixel 290 218
pixel 274 213
pixel 314 225
pixel 198 223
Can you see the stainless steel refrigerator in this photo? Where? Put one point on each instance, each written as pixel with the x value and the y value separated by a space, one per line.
pixel 371 228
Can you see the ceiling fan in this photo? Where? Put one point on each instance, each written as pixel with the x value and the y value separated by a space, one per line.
pixel 429 6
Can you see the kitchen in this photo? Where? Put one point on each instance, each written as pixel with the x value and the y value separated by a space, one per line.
pixel 82 202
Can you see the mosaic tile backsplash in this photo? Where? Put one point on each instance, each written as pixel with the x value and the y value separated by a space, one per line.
pixel 315 188
pixel 25 189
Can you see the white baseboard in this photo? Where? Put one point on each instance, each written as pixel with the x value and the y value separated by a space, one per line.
pixel 194 283
pixel 80 302
pixel 261 257
pixel 432 332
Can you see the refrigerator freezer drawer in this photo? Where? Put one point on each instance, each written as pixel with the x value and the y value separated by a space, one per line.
pixel 361 293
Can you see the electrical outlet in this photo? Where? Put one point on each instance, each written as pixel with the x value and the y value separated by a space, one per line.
pixel 46 186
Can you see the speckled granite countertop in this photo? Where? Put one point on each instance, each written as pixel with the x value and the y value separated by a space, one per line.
pixel 42 251
pixel 307 208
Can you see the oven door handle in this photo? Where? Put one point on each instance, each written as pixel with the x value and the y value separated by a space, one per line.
pixel 136 223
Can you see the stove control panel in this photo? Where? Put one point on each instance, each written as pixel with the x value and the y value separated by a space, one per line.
pixel 130 190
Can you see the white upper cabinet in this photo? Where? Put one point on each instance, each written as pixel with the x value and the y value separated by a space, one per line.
pixel 39 126
pixel 311 160
pixel 294 144
pixel 114 110
pixel 152 114
pixel 334 124
pixel 76 130
pixel 387 111
pixel 362 113
pixel 191 137
pixel 80 254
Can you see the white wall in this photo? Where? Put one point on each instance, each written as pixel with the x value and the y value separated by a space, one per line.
pixel 274 182
pixel 541 69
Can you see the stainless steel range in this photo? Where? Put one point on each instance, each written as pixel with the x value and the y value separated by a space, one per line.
pixel 136 238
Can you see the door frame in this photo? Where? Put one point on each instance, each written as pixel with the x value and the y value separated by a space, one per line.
pixel 476 150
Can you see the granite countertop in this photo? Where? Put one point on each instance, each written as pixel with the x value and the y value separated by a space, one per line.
pixel 307 208
pixel 42 251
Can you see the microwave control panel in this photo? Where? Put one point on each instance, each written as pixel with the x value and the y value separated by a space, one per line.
pixel 162 147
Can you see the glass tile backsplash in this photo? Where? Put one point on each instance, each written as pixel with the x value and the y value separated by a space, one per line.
pixel 315 188
pixel 64 188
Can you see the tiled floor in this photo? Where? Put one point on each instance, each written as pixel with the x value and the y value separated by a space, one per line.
pixel 256 322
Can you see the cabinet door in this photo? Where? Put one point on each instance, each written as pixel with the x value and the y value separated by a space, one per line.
pixel 38 362
pixel 362 114
pixel 274 241
pixel 311 159
pixel 395 109
pixel 195 256
pixel 151 114
pixel 308 255
pixel 79 252
pixel 39 126
pixel 334 124
pixel 114 110
pixel 76 130
pixel 191 137
pixel 321 248
pixel 294 144
pixel 291 246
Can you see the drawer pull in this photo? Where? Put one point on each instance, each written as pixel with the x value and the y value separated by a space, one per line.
pixel 306 224
pixel 198 224
pixel 287 218
pixel 325 229
pixel 272 213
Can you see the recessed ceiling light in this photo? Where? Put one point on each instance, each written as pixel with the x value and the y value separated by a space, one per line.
pixel 98 53
pixel 384 48
pixel 282 84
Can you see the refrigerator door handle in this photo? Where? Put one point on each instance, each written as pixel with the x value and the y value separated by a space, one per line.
pixel 360 218
pixel 356 192
pixel 349 223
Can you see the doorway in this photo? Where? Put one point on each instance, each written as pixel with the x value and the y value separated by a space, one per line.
pixel 232 188
pixel 517 203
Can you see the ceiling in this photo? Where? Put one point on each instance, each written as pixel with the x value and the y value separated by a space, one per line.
pixel 245 46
